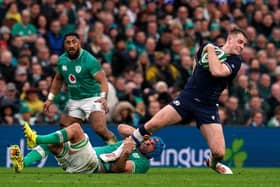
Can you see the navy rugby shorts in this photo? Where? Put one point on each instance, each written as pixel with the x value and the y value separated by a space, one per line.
pixel 190 108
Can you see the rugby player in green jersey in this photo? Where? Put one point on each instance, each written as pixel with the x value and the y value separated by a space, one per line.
pixel 75 154
pixel 87 86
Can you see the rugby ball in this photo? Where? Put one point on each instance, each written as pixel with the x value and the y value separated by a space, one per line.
pixel 222 56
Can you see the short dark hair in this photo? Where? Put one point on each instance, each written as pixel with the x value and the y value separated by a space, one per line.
pixel 237 30
pixel 71 34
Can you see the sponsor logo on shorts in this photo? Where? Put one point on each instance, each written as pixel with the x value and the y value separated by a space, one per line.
pixel 176 102
pixel 196 99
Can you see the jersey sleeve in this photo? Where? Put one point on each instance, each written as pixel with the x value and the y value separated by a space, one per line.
pixel 233 63
pixel 141 165
pixel 199 52
pixel 93 65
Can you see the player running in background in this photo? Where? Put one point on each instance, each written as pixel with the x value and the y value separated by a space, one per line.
pixel 87 86
pixel 75 154
pixel 199 99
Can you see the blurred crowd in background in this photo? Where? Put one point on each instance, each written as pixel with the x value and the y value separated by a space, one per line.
pixel 147 50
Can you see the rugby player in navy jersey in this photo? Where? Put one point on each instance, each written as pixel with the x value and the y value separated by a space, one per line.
pixel 199 99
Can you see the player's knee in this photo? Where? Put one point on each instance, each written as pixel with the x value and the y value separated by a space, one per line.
pixel 76 128
pixel 99 128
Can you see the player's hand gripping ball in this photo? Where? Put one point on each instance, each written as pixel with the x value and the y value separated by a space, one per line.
pixel 222 56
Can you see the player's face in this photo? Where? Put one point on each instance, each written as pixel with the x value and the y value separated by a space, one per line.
pixel 72 46
pixel 237 42
pixel 148 146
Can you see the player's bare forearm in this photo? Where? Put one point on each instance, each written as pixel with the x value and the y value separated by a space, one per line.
pixel 125 130
pixel 55 87
pixel 104 87
pixel 104 84
pixel 101 78
pixel 56 84
pixel 122 164
pixel 119 166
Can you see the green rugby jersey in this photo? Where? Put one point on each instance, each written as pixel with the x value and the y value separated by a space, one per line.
pixel 23 30
pixel 78 75
pixel 141 163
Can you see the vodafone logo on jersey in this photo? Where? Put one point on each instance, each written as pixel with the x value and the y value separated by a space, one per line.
pixel 72 79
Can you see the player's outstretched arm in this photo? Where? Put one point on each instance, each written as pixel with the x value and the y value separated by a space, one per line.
pixel 125 130
pixel 122 164
pixel 56 83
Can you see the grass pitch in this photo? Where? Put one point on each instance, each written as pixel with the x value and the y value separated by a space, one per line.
pixel 156 177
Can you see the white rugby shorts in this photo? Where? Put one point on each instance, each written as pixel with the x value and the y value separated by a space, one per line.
pixel 83 108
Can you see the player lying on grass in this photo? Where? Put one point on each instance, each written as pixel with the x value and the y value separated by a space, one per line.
pixel 75 154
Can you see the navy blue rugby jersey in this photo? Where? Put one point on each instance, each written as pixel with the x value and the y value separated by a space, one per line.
pixel 203 86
